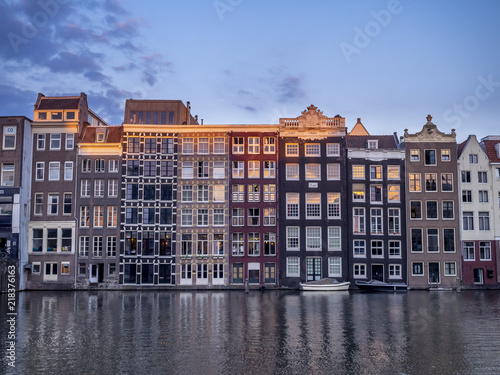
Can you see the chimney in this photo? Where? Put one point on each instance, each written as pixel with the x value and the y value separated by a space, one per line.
pixel 188 109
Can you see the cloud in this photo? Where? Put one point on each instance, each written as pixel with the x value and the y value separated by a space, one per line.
pixel 290 88
pixel 16 102
pixel 68 62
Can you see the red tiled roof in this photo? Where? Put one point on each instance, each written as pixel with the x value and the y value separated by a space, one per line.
pixel 460 148
pixel 491 151
pixel 113 134
pixel 59 103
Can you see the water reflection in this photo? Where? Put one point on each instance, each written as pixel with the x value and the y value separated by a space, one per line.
pixel 130 332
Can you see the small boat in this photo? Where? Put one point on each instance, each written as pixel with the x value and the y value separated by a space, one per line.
pixel 325 285
pixel 380 286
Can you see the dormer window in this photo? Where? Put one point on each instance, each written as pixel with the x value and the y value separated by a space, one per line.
pixel 42 115
pixel 56 115
pixel 373 144
pixel 100 137
pixel 70 115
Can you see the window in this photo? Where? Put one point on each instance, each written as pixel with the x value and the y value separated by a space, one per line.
pixel 269 169
pixel 358 172
pixel 84 246
pixel 54 170
pixel 150 145
pixel 376 193
pixel 218 245
pixel 186 217
pixel 131 215
pixel 483 196
pixel 112 217
pixel 99 165
pixel 269 273
pixel 84 216
pixel 203 193
pixel 67 203
pixel 359 248
pixel 450 269
pixel 238 169
pixel 238 194
pixel 394 224
pixel 394 249
pixel 449 239
pixel 416 240
pixel 219 170
pixel 270 193
pixel 219 146
pixel 113 166
pixel 166 215
pixel 373 144
pixel 253 217
pixel 68 170
pixel 448 211
pixel 394 271
pixel 333 171
pixel 254 169
pixel 111 246
pixel 484 221
pixel 56 115
pixel 150 168
pixel 292 171
pixel 253 145
pixel 465 177
pixel 186 244
pixel 482 177
pixel 446 182
pixel 238 145
pixel 414 155
pixel 148 215
pixel 313 238
pixel 133 145
pixel 334 267
pixel 445 155
pixel 203 146
pixel 358 192
pixel 238 248
pixel 269 216
pixel 133 168
pixel 218 193
pixel 417 269
pixel 377 248
pixel 334 238
pixel 202 217
pixel 218 217
pixel 313 172
pixel 376 220
pixel 37 240
pixel 333 205
pixel 98 216
pixel 468 220
pixel 52 204
pixel 130 243
pixel 187 146
pixel 166 168
pixel 292 205
pixel 112 188
pixel 38 205
pixel 269 145
pixel 187 169
pixel 238 217
pixel 132 191
pixel 55 141
pixel 393 193
pixel 430 182
pixel 332 149
pixel 99 188
pixel 375 172
pixel 292 149
pixel 432 240
pixel 473 159
pixel 70 141
pixel 292 266
pixel 39 170
pixel 432 211
pixel 202 244
pixel 469 253
pixel 358 220
pixel 40 142
pixel 415 209
pixel 414 181
pixel 97 248
pixel 254 244
pixel 312 149
pixel 9 137
pixel 467 196
pixel 292 238
pixel 360 270
pixel 203 169
pixel 313 205
pixel 484 250
pixel 430 157
pixel 393 172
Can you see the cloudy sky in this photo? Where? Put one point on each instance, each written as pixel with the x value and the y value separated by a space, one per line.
pixel 253 61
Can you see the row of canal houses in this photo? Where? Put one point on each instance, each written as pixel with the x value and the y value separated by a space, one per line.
pixel 163 201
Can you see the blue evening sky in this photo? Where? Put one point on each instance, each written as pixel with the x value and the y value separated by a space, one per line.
pixel 253 61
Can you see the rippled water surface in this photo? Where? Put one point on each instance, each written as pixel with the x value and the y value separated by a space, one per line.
pixel 272 332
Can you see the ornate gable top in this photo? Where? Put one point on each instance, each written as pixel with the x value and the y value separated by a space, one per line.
pixel 430 133
pixel 313 118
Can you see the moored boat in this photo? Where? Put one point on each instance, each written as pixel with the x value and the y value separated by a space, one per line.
pixel 325 285
pixel 380 286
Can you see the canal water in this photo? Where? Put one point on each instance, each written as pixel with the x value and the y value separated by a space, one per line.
pixel 271 332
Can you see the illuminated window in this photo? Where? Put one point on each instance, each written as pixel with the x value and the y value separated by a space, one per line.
pixel 269 169
pixel 393 172
pixel 414 155
pixel 333 205
pixel 375 172
pixel 414 182
pixel 253 145
pixel 313 205
pixel 358 171
pixel 445 155
pixel 133 145
pixel 292 205
pixel 292 149
pixel 238 145
pixel 254 169
pixel 393 193
pixel 269 145
pixel 313 171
